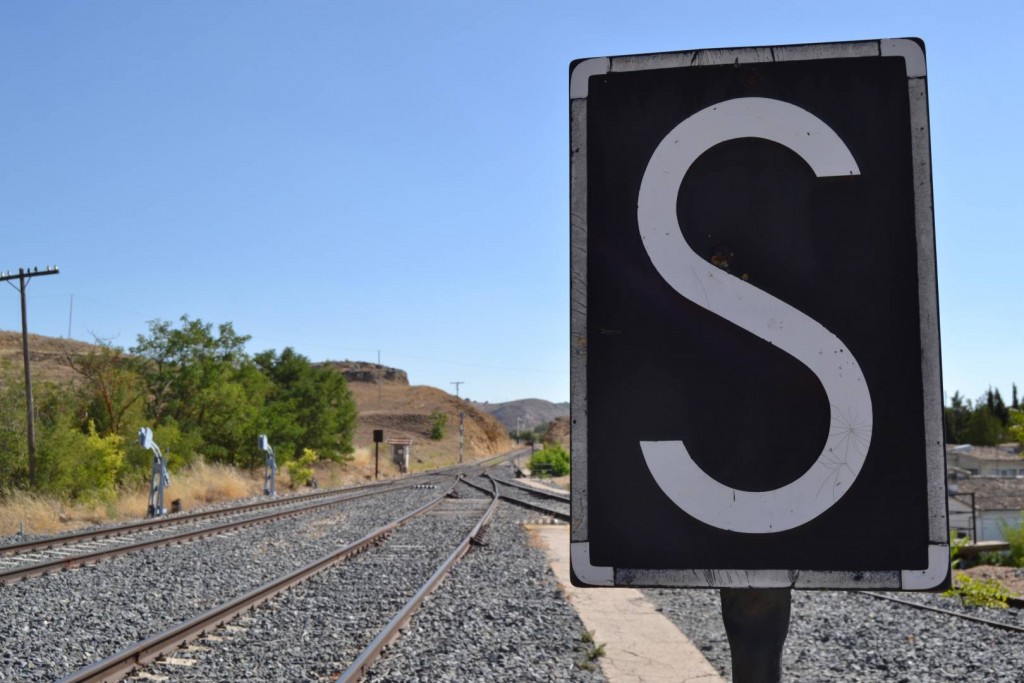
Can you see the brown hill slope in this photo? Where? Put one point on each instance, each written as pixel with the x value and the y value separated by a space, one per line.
pixel 403 411
pixel 558 432
pixel 47 356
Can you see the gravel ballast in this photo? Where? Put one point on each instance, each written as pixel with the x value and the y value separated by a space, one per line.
pixel 499 616
pixel 53 625
pixel 851 637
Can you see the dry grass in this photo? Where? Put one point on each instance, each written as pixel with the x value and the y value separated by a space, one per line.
pixel 41 515
pixel 196 486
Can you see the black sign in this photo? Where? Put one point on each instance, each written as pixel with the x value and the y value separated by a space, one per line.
pixel 378 435
pixel 751 400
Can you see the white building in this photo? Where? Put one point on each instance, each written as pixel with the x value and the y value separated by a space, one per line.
pixel 986 489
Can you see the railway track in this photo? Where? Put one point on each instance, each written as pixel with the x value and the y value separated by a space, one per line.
pixel 550 503
pixel 60 623
pixel 435 520
pixel 1008 624
pixel 41 557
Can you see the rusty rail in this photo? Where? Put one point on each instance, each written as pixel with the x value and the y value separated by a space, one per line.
pixel 563 497
pixel 171 520
pixel 390 632
pixel 73 561
pixel 564 516
pixel 114 667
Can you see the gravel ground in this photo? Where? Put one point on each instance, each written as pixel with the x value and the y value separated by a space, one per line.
pixel 499 616
pixel 313 631
pixel 850 637
pixel 178 526
pixel 53 625
pixel 517 627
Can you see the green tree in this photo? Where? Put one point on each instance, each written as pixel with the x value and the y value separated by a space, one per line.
pixel 983 428
pixel 205 384
pixel 13 442
pixel 181 363
pixel 308 407
pixel 112 390
pixel 996 405
pixel 1015 428
pixel 957 415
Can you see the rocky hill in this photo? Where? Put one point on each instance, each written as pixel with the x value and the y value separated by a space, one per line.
pixel 525 413
pixel 358 371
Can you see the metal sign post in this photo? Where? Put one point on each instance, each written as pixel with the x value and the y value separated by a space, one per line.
pixel 158 479
pixel 378 437
pixel 269 466
pixel 754 326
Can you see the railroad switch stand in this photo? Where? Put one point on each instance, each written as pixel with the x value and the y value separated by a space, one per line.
pixel 270 467
pixel 158 478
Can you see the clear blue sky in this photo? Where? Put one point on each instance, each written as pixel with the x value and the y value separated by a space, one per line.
pixel 348 177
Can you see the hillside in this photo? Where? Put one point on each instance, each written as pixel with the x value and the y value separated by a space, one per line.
pixel 47 356
pixel 525 413
pixel 403 411
pixel 558 432
pixel 399 409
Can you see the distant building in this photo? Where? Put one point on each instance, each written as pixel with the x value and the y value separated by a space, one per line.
pixel 986 489
pixel 986 461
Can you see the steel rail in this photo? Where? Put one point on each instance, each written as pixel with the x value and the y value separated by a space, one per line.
pixel 73 561
pixel 564 516
pixel 390 632
pixel 951 613
pixel 148 524
pixel 563 497
pixel 117 665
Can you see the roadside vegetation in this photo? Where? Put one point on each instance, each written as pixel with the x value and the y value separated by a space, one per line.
pixel 552 460
pixel 971 591
pixel 203 395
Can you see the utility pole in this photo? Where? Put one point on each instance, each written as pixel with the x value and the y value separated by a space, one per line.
pixel 462 432
pixel 23 276
pixel 456 387
pixel 378 376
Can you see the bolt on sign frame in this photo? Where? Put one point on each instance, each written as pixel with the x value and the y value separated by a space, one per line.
pixel 756 381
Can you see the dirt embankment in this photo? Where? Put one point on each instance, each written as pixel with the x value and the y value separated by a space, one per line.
pixel 558 432
pixel 404 411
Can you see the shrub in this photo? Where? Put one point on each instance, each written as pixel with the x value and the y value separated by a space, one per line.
pixel 300 471
pixel 80 466
pixel 978 592
pixel 552 458
pixel 1015 537
pixel 438 425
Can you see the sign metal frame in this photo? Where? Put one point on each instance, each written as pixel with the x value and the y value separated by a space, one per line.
pixel 585 571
